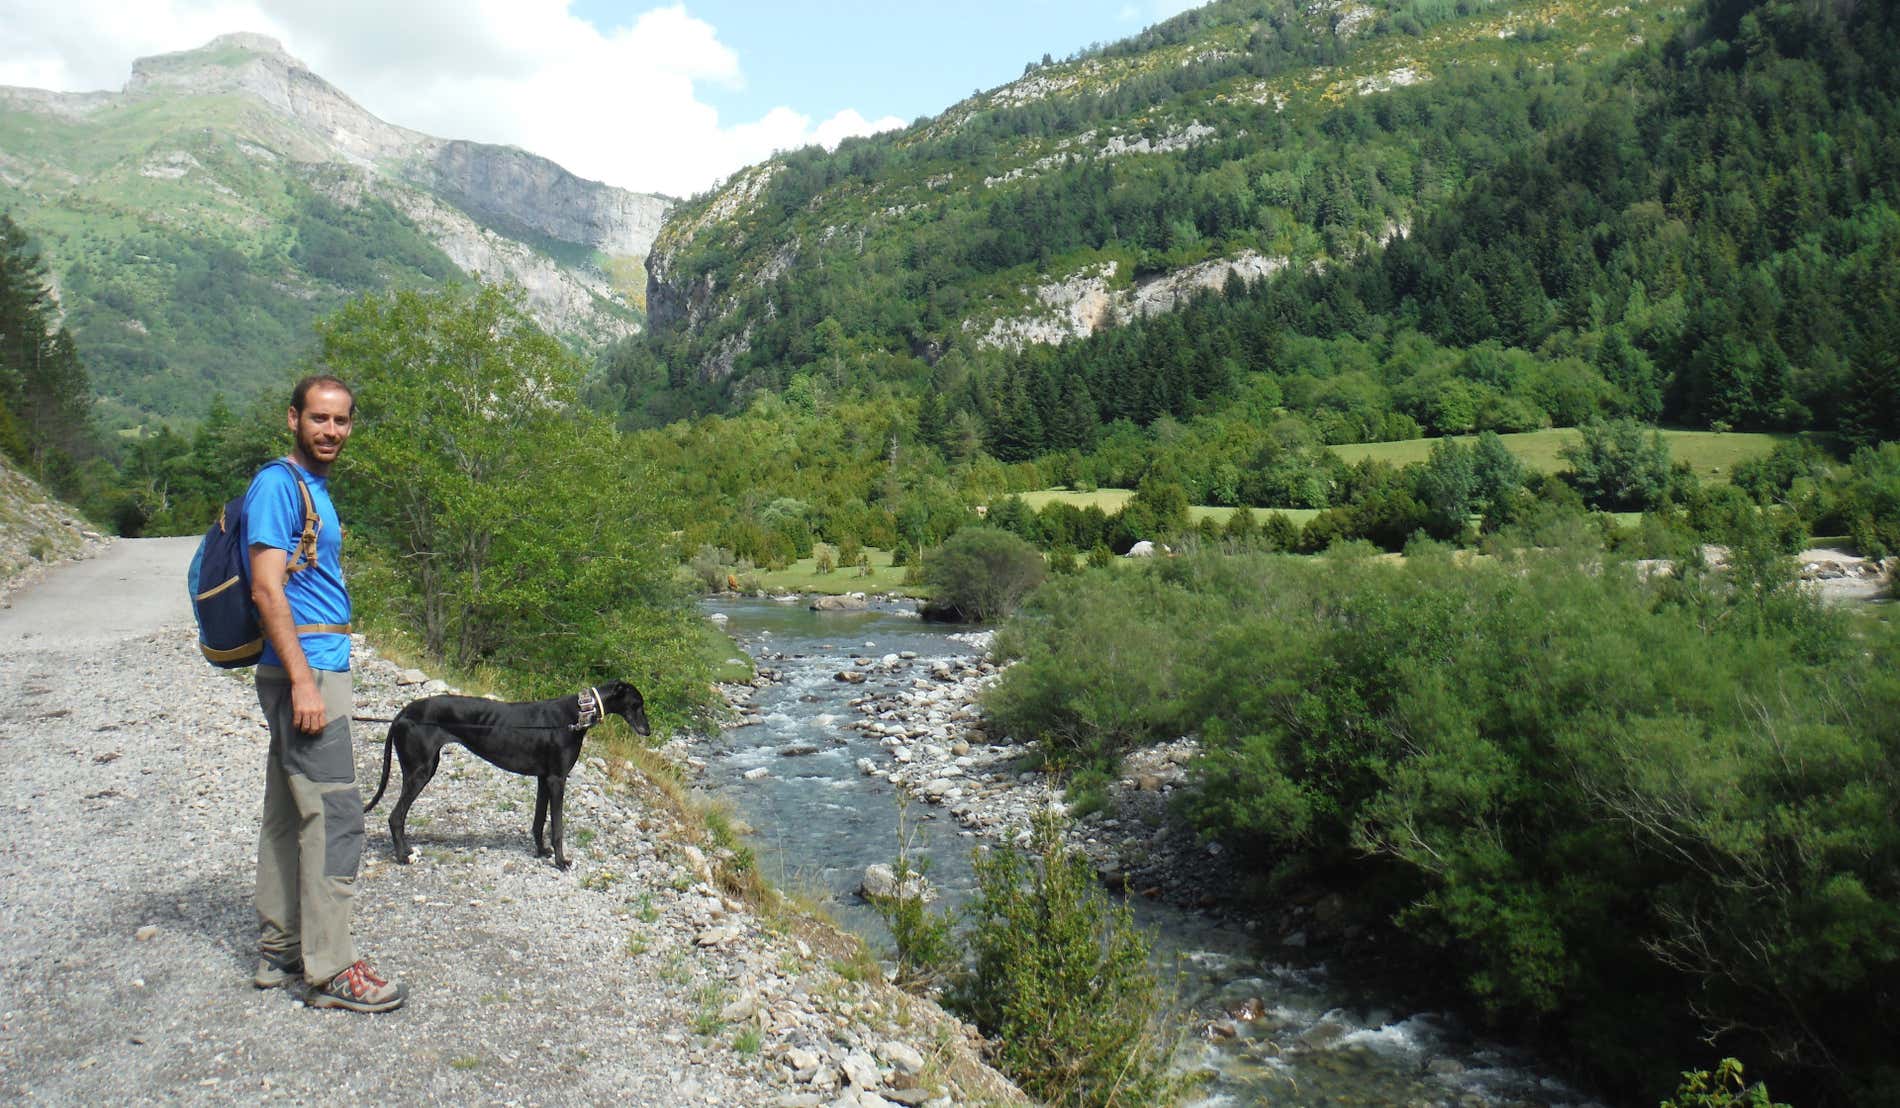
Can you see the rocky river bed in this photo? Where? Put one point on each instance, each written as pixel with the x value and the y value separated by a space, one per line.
pixel 857 716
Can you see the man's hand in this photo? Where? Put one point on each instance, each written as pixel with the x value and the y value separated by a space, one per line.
pixel 306 706
pixel 268 570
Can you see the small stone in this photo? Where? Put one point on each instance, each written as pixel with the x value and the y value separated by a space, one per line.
pixel 411 677
pixel 902 1056
pixel 145 933
pixel 860 1069
pixel 717 936
pixel 756 773
pixel 741 1009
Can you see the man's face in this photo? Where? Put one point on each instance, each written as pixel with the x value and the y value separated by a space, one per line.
pixel 323 425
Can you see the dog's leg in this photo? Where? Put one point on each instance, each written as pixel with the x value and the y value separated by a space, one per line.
pixel 540 816
pixel 557 791
pixel 414 777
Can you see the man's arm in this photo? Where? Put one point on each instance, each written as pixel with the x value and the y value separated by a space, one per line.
pixel 268 571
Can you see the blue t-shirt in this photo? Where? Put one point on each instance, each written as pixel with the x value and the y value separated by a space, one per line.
pixel 273 517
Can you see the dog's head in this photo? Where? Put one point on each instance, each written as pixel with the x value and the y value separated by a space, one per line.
pixel 624 700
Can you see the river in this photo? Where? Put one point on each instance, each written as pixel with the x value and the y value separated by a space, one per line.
pixel 819 821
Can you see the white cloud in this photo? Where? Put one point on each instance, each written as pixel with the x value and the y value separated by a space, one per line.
pixel 620 106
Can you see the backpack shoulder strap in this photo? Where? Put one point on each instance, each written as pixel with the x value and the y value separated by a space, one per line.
pixel 305 555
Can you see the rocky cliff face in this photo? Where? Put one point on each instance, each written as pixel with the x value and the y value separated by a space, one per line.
pixel 215 146
pixel 258 68
pixel 495 184
pixel 515 187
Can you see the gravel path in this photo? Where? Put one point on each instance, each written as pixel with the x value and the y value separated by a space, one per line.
pixel 130 787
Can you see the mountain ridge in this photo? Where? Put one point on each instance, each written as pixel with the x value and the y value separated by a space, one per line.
pixel 239 148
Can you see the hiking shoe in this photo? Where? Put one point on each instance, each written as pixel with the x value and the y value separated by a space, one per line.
pixel 276 968
pixel 359 989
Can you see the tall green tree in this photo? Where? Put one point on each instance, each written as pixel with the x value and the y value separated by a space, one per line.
pixel 521 537
pixel 45 393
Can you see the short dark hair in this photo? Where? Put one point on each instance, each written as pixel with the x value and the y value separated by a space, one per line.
pixel 327 380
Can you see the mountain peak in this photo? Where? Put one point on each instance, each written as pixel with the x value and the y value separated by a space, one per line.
pixel 243 40
pixel 216 62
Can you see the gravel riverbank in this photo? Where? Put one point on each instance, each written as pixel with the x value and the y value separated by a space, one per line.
pixel 132 776
pixel 938 748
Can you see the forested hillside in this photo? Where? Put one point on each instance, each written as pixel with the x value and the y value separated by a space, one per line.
pixel 1289 228
pixel 1585 212
pixel 1241 137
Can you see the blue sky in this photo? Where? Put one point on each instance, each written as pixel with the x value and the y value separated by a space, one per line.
pixel 667 97
pixel 888 59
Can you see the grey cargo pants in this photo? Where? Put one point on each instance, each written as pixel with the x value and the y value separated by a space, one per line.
pixel 311 841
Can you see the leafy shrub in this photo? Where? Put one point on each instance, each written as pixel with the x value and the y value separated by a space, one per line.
pixel 982 574
pixel 1582 797
pixel 926 946
pixel 1616 468
pixel 1723 1088
pixel 1102 665
pixel 1060 978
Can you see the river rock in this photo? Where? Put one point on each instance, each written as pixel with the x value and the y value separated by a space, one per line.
pixel 412 677
pixel 880 883
pixel 849 677
pixel 756 773
pixel 848 603
pixel 798 750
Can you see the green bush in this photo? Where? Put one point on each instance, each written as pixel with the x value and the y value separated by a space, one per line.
pixel 1102 665
pixel 1617 468
pixel 1060 979
pixel 926 945
pixel 1723 1088
pixel 982 574
pixel 1582 797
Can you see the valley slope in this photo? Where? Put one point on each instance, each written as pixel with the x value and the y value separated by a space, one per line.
pixel 198 221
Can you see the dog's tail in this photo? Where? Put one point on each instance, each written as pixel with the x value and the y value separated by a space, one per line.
pixel 389 744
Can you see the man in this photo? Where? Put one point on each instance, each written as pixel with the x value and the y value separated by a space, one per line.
pixel 311 842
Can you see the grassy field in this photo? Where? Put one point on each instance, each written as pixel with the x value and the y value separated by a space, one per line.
pixel 1712 454
pixel 803 576
pixel 1111 501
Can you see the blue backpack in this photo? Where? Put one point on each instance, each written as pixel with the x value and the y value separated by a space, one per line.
pixel 219 580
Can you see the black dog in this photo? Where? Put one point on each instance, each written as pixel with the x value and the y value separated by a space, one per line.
pixel 541 738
